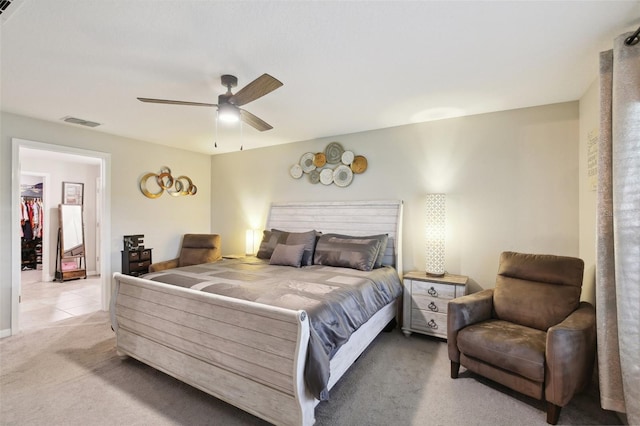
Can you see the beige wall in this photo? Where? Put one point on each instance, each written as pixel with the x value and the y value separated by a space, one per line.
pixel 589 127
pixel 511 180
pixel 163 220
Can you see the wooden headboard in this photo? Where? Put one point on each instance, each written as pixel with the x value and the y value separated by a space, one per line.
pixel 344 217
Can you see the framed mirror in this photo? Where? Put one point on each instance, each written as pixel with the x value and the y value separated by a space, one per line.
pixel 70 262
pixel 72 238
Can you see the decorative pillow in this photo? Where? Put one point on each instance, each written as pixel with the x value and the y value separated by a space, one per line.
pixel 287 255
pixel 270 239
pixel 307 238
pixel 352 252
pixel 382 238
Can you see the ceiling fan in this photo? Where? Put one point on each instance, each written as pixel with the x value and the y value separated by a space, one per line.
pixel 229 104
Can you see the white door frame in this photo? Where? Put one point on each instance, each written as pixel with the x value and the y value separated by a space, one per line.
pixel 105 229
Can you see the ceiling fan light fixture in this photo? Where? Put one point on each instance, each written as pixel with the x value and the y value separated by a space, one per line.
pixel 228 113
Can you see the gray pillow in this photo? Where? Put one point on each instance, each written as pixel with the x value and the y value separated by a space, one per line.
pixel 287 255
pixel 352 252
pixel 382 238
pixel 270 239
pixel 307 238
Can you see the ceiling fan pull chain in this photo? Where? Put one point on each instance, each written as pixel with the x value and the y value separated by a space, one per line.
pixel 215 140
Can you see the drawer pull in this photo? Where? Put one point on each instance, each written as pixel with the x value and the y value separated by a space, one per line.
pixel 432 324
pixel 432 306
pixel 432 291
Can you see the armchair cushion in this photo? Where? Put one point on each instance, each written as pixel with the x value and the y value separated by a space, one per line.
pixel 511 346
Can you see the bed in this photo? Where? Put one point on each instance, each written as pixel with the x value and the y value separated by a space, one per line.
pixel 256 356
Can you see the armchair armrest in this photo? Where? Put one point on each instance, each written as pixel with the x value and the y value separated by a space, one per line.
pixel 464 311
pixel 570 355
pixel 161 266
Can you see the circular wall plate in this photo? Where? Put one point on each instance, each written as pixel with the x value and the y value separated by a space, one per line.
pixel 326 176
pixel 342 176
pixel 334 151
pixel 295 171
pixel 319 160
pixel 359 164
pixel 347 157
pixel 306 162
pixel 314 176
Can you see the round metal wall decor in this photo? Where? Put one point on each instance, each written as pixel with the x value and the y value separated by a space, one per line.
pixel 182 185
pixel 347 157
pixel 334 151
pixel 342 175
pixel 319 160
pixel 314 176
pixel 335 165
pixel 359 164
pixel 326 176
pixel 295 171
pixel 306 162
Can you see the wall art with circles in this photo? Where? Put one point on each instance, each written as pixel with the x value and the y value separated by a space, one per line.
pixel 153 185
pixel 333 166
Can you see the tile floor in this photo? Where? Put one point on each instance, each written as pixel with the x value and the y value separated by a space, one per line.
pixel 50 301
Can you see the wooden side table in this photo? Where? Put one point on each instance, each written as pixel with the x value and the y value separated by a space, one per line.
pixel 136 262
pixel 425 302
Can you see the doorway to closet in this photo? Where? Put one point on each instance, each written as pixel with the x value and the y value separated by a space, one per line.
pixel 38 298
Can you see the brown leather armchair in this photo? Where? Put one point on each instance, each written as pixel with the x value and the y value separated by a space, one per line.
pixel 530 333
pixel 196 249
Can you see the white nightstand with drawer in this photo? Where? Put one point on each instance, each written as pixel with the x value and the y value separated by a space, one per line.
pixel 425 302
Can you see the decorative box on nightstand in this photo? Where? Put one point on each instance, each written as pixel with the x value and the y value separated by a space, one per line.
pixel 425 302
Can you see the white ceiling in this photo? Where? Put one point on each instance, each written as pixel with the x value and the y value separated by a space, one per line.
pixel 346 66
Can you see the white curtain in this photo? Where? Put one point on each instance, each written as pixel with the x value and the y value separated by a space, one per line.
pixel 618 233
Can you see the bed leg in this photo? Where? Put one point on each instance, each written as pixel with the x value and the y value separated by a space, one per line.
pixel 121 354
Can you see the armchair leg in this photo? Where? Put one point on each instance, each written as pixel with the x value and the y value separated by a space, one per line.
pixel 455 368
pixel 553 413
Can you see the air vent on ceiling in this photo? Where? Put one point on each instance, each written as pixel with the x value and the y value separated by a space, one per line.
pixel 9 7
pixel 80 121
pixel 4 4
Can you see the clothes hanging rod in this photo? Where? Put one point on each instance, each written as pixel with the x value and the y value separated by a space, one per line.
pixel 633 38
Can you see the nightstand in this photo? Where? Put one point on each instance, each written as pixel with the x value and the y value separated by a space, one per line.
pixel 425 302
pixel 136 262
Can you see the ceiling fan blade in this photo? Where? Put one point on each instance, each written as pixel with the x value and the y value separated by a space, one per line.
pixel 167 101
pixel 254 121
pixel 256 89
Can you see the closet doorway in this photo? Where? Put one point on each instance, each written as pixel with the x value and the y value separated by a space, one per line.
pixel 37 299
pixel 33 187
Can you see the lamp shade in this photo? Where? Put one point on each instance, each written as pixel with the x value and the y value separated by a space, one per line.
pixel 252 241
pixel 435 234
pixel 228 113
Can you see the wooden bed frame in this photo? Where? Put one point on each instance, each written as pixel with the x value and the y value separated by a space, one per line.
pixel 249 354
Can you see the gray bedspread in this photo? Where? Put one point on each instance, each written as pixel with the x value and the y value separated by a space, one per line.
pixel 337 300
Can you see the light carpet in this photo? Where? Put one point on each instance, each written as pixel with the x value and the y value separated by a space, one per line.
pixel 69 374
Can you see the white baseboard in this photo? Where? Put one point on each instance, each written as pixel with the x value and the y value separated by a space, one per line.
pixel 5 333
